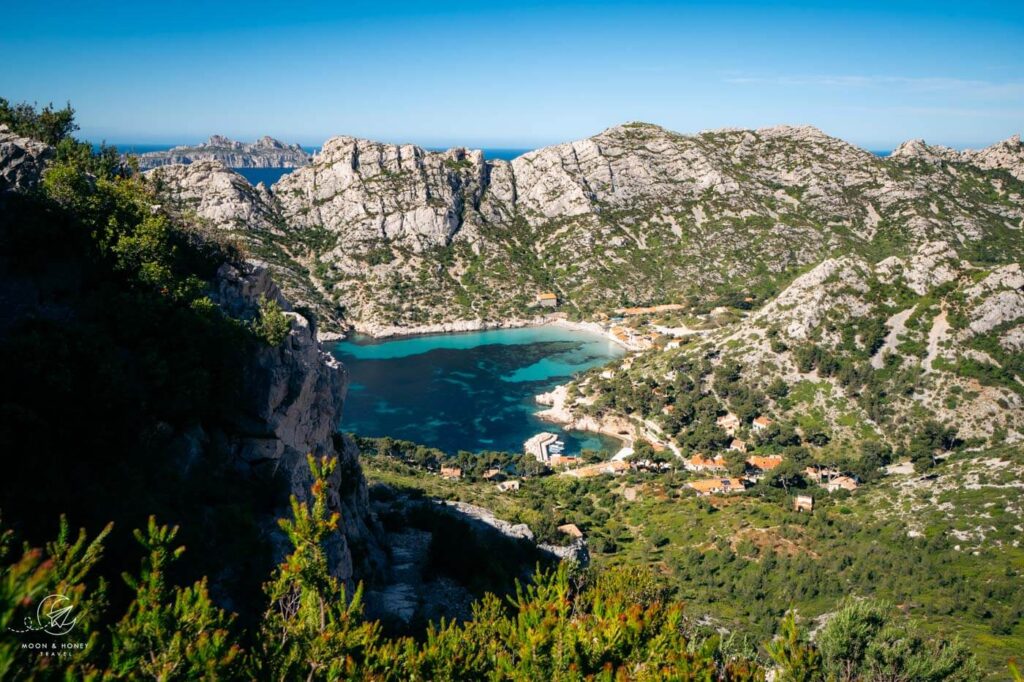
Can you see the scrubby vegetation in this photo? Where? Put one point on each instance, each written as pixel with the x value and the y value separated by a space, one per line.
pixel 942 547
pixel 565 624
pixel 117 355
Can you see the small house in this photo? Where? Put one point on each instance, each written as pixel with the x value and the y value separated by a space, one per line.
pixel 722 486
pixel 728 423
pixel 764 463
pixel 761 423
pixel 613 467
pixel 803 503
pixel 494 475
pixel 508 486
pixel 738 445
pixel 701 463
pixel 547 299
pixel 451 473
pixel 844 482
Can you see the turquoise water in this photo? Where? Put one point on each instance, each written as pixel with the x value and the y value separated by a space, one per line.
pixel 471 391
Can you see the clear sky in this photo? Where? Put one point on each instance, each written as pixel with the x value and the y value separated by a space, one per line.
pixel 522 74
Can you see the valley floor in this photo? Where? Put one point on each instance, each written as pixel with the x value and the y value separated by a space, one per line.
pixel 945 547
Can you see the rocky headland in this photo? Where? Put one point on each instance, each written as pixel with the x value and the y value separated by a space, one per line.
pixel 265 152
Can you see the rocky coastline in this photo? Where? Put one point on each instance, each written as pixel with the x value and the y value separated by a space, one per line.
pixel 558 412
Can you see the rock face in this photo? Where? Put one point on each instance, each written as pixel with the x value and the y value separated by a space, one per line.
pixel 217 194
pixel 291 408
pixel 1007 155
pixel 943 320
pixel 265 152
pixel 22 161
pixel 225 201
pixel 404 237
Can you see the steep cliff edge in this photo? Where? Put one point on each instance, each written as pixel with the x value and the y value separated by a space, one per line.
pixel 22 160
pixel 290 407
pixel 145 385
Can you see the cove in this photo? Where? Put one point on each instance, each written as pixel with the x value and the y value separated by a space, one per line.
pixel 468 391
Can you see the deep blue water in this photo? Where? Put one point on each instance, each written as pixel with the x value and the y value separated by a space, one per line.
pixel 470 391
pixel 267 176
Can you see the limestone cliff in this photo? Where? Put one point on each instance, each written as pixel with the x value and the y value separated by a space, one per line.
pixel 868 350
pixel 394 235
pixel 1007 155
pixel 291 395
pixel 291 406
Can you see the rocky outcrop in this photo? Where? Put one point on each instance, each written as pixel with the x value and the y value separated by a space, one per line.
pixel 1006 155
pixel 290 408
pixel 932 315
pixel 217 195
pixel 290 402
pixel 265 152
pixel 933 263
pixel 485 517
pixel 996 300
pixel 372 191
pixel 804 303
pixel 22 161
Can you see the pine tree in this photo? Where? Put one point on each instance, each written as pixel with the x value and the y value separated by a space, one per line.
pixel 312 630
pixel 798 660
pixel 171 633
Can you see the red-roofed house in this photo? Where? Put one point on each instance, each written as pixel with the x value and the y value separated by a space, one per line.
pixel 701 463
pixel 711 486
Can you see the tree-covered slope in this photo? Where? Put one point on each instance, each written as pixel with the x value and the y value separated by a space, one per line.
pixel 851 351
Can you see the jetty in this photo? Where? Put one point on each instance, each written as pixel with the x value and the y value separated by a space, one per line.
pixel 544 446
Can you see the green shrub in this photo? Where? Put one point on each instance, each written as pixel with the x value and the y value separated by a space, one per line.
pixel 271 324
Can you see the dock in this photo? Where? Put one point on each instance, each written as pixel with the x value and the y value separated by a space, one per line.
pixel 544 446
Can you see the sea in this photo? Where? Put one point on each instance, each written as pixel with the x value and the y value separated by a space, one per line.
pixel 468 391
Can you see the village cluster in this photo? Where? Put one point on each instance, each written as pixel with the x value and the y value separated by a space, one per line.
pixel 549 450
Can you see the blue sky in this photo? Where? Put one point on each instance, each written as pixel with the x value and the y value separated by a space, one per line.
pixel 519 74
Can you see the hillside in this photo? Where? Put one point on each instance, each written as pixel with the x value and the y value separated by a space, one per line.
pixel 155 371
pixel 849 352
pixel 944 546
pixel 388 235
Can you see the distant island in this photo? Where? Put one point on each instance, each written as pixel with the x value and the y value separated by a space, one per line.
pixel 265 152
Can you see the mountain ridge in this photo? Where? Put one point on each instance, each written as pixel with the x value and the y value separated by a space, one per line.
pixel 374 235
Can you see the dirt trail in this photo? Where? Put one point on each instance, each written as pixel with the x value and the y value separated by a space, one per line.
pixel 897 325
